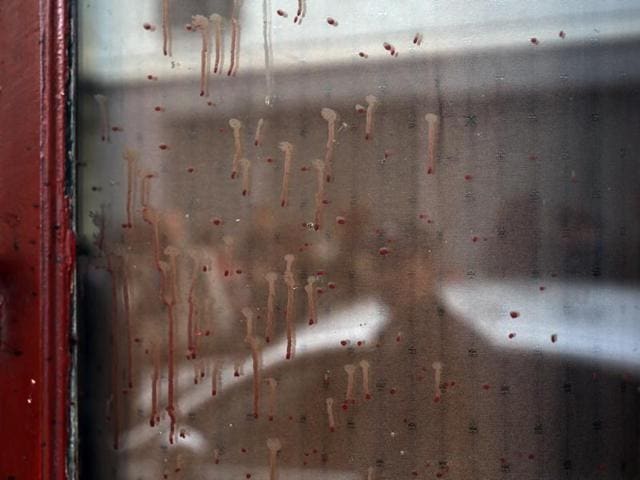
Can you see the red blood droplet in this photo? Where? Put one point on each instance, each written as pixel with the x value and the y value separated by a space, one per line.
pixel 383 251
pixel 159 108
pixel 561 34
pixel 331 285
pixel 531 456
pixel 534 41
pixel 468 177
pixel 282 13
pixel 392 391
pixel 363 55
pixel 343 343
pixel 554 338
pixel 163 146
pixel 216 221
pixel 514 314
pixel 341 220
pixel 148 26
pixel 474 239
pixel 512 335
pixel 345 406
pixel 359 343
pixel 387 46
pixel 486 386
pixel 331 21
pixel 191 169
pixel 542 288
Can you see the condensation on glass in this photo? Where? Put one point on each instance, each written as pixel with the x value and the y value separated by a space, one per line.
pixel 359 240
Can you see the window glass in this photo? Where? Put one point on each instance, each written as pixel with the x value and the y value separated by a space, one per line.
pixel 359 240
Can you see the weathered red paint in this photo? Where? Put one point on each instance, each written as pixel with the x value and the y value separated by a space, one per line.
pixel 37 247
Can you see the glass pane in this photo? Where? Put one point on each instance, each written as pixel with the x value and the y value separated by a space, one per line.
pixel 359 240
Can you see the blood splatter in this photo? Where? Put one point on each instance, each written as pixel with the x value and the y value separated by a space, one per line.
pixel 245 163
pixel 365 366
pixel 437 374
pixel 235 40
pixel 433 122
pixel 166 29
pixel 301 13
pixel 372 104
pixel 103 110
pixel 311 300
pixel 274 445
pixel 257 139
pixel 331 419
pixel 271 278
pixel 331 117
pixel 201 24
pixel 216 20
pixel 289 314
pixel 236 126
pixel 287 148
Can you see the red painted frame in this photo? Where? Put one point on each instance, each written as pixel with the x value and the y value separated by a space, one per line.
pixel 37 247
